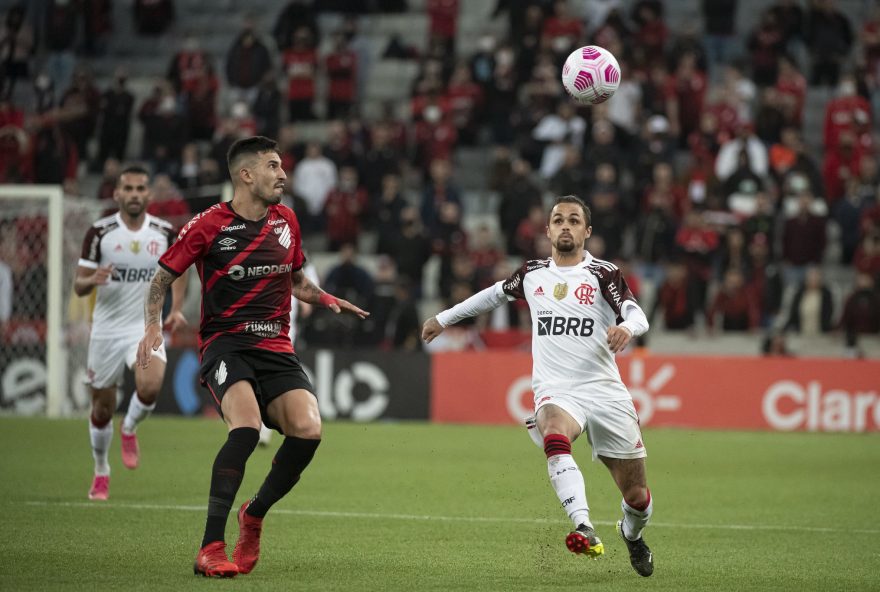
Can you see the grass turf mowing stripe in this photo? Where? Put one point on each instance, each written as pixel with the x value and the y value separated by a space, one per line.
pixel 369 515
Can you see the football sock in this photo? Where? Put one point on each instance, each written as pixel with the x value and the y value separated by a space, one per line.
pixel 290 461
pixel 101 435
pixel 636 519
pixel 566 479
pixel 226 478
pixel 137 412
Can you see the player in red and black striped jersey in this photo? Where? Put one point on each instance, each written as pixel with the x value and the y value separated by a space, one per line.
pixel 248 254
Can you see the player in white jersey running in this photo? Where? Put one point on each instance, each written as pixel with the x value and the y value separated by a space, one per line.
pixel 582 314
pixel 118 258
pixel 295 307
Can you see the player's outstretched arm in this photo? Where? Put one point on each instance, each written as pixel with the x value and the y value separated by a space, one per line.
pixel 86 279
pixel 306 291
pixel 431 329
pixel 152 338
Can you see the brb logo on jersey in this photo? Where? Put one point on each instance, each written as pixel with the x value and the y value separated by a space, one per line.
pixel 573 326
pixel 585 293
pixel 132 274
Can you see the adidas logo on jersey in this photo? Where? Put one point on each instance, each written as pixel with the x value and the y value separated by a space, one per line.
pixel 539 291
pixel 639 444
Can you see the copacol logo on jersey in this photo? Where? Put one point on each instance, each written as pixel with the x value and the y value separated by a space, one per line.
pixel 556 325
pixel 237 272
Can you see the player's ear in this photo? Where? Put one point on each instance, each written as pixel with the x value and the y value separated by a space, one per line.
pixel 589 232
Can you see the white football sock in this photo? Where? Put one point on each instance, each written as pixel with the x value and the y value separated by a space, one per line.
pixel 137 412
pixel 265 435
pixel 635 521
pixel 101 438
pixel 568 482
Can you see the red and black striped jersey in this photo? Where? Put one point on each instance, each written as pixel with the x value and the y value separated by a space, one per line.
pixel 245 267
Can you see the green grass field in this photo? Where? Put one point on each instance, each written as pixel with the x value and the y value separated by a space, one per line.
pixel 425 507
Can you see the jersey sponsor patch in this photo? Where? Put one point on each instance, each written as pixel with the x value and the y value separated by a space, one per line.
pixel 559 325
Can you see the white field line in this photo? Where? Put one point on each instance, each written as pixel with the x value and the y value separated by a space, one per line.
pixel 427 518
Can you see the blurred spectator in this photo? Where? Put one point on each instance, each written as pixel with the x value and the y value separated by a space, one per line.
pixel 697 242
pixel 435 136
pixel 529 231
pixel 690 90
pixel 247 63
pixel 81 104
pixel 803 236
pixel 413 248
pixel 733 254
pixel 790 16
pixel 663 186
pixel 301 65
pixel 848 214
pixel 730 156
pixel 625 106
pixel 296 15
pixel 848 112
pixel 16 46
pixel 719 29
pixel 379 161
pixel 465 102
pixel 572 178
pixel 603 146
pixel 792 87
pixel 561 31
pixel 861 313
pixel 165 129
pixel 762 222
pixel 62 22
pixel 556 131
pixel 829 38
pixel 341 65
pixel 344 210
pixel 449 242
pixel 438 191
pixel 867 255
pixel 789 157
pixel 811 307
pixel 841 164
pixel 770 118
pixel 98 23
pixel 189 65
pixel 16 166
pixel 651 31
pixel 188 171
pixel 766 44
pixel 55 157
pixel 518 196
pixel 741 187
pixel 117 104
pixel 609 220
pixel 736 98
pixel 735 303
pixel 656 147
pixel 153 17
pixel 764 280
pixel 313 178
pixel 656 231
pixel 443 21
pixel 676 299
pixel 484 255
pixel 167 202
pixel 387 208
pixel 200 100
pixel 267 106
pixel 403 328
pixel 109 179
pixel 348 279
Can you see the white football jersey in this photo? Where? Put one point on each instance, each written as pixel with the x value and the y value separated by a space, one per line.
pixel 119 308
pixel 572 309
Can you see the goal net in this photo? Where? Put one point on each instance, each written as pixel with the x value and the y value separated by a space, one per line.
pixel 44 325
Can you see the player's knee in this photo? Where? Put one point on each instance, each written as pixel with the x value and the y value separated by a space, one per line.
pixel 307 428
pixel 636 496
pixel 148 393
pixel 101 414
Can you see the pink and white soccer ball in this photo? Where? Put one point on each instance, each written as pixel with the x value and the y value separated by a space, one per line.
pixel 591 74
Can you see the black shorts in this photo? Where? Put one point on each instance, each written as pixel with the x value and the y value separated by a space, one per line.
pixel 271 374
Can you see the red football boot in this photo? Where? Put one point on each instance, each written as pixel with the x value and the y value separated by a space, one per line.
pixel 247 549
pixel 212 562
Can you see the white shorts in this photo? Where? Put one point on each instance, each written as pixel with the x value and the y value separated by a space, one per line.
pixel 108 358
pixel 612 427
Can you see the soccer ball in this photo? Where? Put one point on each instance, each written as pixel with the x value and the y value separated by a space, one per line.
pixel 590 75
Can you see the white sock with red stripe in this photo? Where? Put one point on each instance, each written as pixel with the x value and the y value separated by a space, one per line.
pixel 636 519
pixel 101 436
pixel 566 479
pixel 137 412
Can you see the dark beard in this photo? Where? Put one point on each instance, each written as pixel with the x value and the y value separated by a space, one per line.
pixel 568 248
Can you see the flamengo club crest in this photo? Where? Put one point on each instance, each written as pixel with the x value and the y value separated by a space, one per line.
pixel 585 293
pixel 560 291
pixel 153 248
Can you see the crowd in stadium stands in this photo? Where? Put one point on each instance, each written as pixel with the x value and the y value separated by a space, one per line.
pixel 696 170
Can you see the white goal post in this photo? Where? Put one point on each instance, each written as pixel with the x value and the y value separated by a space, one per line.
pixel 40 233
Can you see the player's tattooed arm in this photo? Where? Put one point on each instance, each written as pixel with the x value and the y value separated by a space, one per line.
pixel 156 297
pixel 305 290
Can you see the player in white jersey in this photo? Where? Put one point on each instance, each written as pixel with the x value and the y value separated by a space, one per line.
pixel 118 258
pixel 295 307
pixel 582 314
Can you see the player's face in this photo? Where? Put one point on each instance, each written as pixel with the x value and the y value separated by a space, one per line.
pixel 567 228
pixel 132 193
pixel 269 177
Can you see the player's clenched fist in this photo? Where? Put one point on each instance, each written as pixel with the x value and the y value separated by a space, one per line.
pixel 431 329
pixel 102 275
pixel 618 338
pixel 151 341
